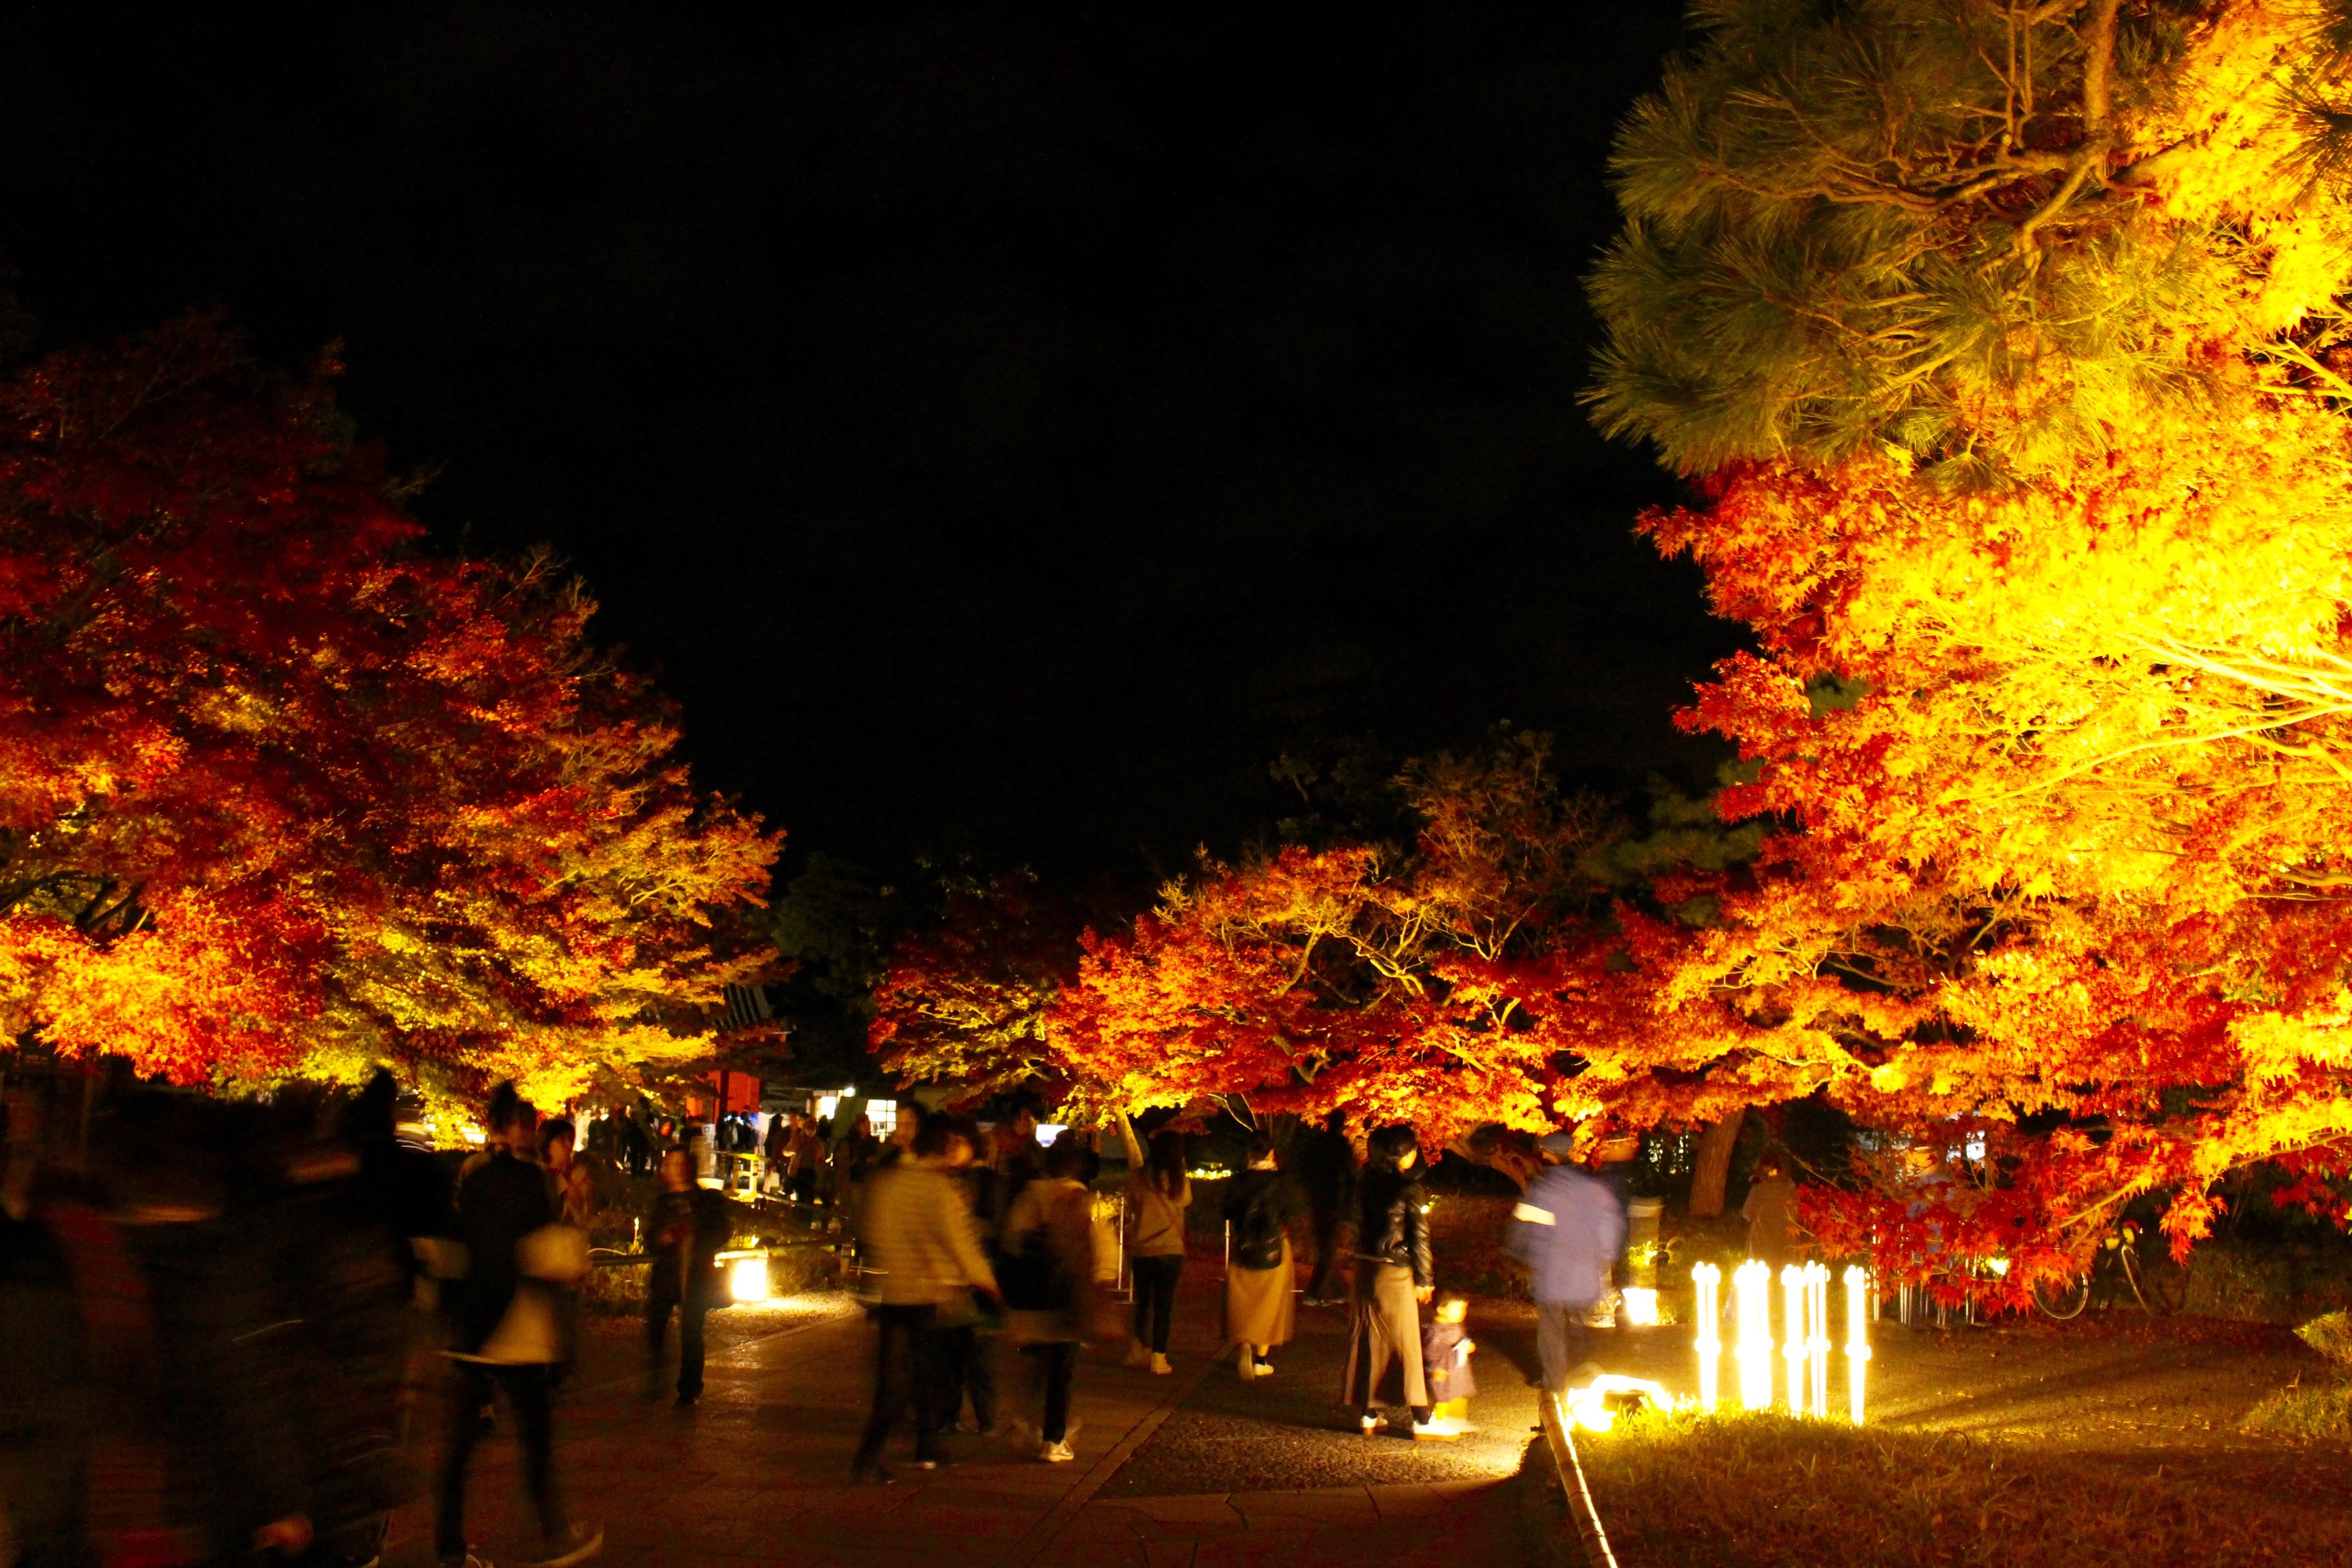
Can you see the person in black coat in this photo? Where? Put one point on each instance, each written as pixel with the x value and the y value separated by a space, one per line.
pixel 501 1202
pixel 1395 1276
pixel 689 1229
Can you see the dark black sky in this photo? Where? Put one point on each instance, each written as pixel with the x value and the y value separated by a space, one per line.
pixel 1004 428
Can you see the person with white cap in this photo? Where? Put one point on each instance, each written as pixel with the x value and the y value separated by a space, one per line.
pixel 1569 1231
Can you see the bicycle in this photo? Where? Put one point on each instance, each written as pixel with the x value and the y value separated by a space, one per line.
pixel 2159 1287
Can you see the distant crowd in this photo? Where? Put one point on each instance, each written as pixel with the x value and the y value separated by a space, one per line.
pixel 218 1320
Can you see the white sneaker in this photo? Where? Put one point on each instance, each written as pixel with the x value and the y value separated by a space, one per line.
pixel 1368 1425
pixel 1056 1453
pixel 578 1543
pixel 1160 1367
pixel 1265 1367
pixel 1437 1429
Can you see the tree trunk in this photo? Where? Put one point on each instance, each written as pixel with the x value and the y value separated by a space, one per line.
pixel 1714 1147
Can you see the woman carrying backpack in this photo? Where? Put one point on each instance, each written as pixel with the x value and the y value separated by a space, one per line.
pixel 1046 1270
pixel 1261 1205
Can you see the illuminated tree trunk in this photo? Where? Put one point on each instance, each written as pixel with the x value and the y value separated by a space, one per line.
pixel 1714 1147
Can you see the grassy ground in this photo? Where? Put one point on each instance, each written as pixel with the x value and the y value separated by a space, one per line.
pixel 1755 1491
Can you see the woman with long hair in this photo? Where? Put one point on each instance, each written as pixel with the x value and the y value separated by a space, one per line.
pixel 1262 1206
pixel 1157 1193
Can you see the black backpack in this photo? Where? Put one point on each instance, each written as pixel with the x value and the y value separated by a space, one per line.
pixel 1257 1234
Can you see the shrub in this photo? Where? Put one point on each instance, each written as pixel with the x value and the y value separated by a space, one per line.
pixel 2300 1415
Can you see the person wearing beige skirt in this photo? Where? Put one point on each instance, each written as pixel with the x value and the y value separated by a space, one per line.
pixel 1260 1312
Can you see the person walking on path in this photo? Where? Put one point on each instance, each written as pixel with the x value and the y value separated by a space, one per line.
pixel 1262 1206
pixel 572 1188
pixel 1395 1275
pixel 1569 1231
pixel 1157 1193
pixel 918 1237
pixel 967 1329
pixel 1048 1266
pixel 1771 1211
pixel 505 1335
pixel 1326 1173
pixel 691 1226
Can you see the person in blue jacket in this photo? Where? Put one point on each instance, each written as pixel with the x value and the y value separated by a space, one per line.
pixel 1569 1231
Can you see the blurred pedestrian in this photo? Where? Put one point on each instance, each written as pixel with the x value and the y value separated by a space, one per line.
pixel 1159 1190
pixel 1326 1173
pixel 917 1238
pixel 967 1329
pixel 691 1225
pixel 506 1334
pixel 1048 1270
pixel 803 1154
pixel 1774 1237
pixel 1569 1231
pixel 1395 1275
pixel 1262 1206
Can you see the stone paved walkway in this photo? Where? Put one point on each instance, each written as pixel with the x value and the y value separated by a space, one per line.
pixel 758 1473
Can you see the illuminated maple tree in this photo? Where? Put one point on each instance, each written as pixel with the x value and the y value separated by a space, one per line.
pixel 281 793
pixel 2006 340
pixel 2004 343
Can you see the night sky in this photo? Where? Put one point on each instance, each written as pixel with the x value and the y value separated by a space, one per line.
pixel 1002 429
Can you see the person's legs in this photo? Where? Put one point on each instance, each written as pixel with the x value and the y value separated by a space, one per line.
pixel 1327 1253
pixel 927 1392
pixel 691 1317
pixel 1368 1350
pixel 526 1391
pixel 1551 1342
pixel 894 1376
pixel 1061 1364
pixel 1168 1271
pixel 468 1389
pixel 658 1303
pixel 1401 1320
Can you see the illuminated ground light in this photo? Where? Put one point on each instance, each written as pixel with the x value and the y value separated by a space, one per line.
pixel 747 1277
pixel 1793 1283
pixel 1817 1335
pixel 1640 1306
pixel 1857 1329
pixel 1704 1279
pixel 1589 1406
pixel 1752 1291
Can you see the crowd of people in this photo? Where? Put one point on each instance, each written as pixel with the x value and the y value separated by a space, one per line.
pixel 219 1321
pixel 964 1237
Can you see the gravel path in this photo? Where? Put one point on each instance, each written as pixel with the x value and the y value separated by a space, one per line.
pixel 1288 1431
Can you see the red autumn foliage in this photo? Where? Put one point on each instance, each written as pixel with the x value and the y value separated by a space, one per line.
pixel 280 792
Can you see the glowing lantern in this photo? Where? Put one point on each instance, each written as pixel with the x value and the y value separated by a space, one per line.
pixel 1704 1277
pixel 1589 1406
pixel 746 1277
pixel 1641 1304
pixel 1793 1281
pixel 1817 1335
pixel 1857 1343
pixel 1752 1289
